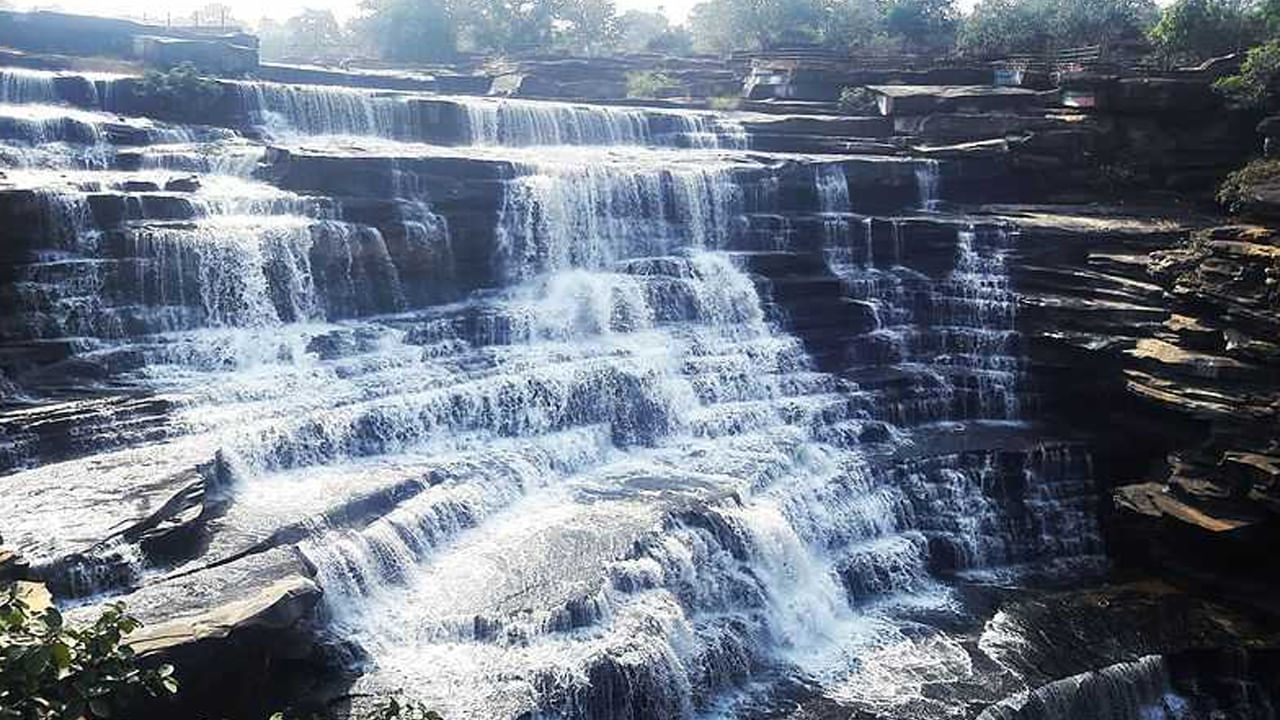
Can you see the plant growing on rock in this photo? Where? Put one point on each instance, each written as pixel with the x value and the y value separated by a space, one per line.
pixel 650 84
pixel 858 101
pixel 1233 193
pixel 50 670
pixel 180 94
pixel 1258 84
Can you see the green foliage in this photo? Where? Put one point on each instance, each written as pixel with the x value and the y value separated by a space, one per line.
pixel 998 27
pixel 922 24
pixel 52 671
pixel 180 93
pixel 313 33
pixel 650 84
pixel 431 30
pixel 858 101
pixel 637 28
pixel 1234 189
pixel 645 31
pixel 721 26
pixel 1191 30
pixel 724 102
pixel 675 41
pixel 409 30
pixel 1258 84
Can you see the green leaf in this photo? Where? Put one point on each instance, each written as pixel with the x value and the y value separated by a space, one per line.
pixel 53 619
pixel 61 655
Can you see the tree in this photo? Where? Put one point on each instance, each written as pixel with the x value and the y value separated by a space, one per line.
pixel 1088 22
pixel 1258 84
pixel 409 30
pixel 724 25
pixel 996 27
pixel 1000 27
pixel 313 32
pixel 507 25
pixel 638 28
pixel 856 25
pixel 215 15
pixel 586 26
pixel 675 41
pixel 922 24
pixel 1191 30
pixel 50 670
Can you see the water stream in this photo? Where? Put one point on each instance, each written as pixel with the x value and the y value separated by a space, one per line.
pixel 628 484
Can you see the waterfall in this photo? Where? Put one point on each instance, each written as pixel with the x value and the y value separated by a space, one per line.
pixel 26 86
pixel 320 110
pixel 519 122
pixel 556 216
pixel 627 429
pixel 928 184
pixel 1138 690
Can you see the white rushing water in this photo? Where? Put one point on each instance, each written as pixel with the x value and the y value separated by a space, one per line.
pixel 608 479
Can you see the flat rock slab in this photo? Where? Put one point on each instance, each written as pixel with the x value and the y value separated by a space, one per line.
pixel 210 595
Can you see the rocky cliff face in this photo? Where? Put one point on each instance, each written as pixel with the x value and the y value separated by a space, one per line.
pixel 606 411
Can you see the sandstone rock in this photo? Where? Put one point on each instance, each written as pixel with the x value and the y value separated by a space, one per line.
pixel 36 596
pixel 279 606
pixel 1195 333
pixel 1155 500
pixel 1189 362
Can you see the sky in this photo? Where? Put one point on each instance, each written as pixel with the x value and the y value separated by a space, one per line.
pixel 252 10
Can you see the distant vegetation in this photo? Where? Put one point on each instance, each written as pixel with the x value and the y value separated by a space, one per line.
pixel 426 31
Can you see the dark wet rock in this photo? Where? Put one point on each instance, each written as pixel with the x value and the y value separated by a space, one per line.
pixel 13 567
pixel 182 184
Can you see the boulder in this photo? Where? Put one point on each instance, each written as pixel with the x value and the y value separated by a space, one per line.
pixel 183 184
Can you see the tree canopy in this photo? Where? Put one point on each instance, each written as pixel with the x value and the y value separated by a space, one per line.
pixel 997 27
pixel 434 30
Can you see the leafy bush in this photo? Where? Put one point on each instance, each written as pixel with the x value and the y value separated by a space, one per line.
pixel 650 84
pixel 1232 191
pixel 1192 30
pixel 1258 84
pixel 180 93
pixel 859 101
pixel 998 27
pixel 52 671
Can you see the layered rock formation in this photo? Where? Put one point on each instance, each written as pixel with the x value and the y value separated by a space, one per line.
pixel 615 411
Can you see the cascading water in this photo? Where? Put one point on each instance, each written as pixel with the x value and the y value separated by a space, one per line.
pixel 928 184
pixel 26 86
pixel 608 478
